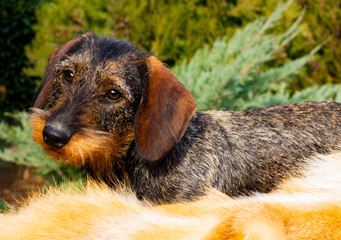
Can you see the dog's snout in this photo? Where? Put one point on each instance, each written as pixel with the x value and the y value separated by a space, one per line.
pixel 55 136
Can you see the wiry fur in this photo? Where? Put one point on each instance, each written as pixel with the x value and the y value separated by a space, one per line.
pixel 153 139
pixel 84 148
pixel 308 207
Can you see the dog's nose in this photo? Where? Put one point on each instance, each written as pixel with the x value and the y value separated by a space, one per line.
pixel 55 136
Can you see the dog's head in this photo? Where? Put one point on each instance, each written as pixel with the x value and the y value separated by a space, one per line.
pixel 98 95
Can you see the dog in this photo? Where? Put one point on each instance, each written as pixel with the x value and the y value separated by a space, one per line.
pixel 121 113
pixel 305 207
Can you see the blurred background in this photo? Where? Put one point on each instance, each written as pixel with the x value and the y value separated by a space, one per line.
pixel 232 54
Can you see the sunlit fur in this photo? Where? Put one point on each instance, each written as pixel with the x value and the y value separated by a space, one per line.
pixel 95 148
pixel 302 208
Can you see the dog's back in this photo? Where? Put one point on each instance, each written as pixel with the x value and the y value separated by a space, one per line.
pixel 240 152
pixel 261 147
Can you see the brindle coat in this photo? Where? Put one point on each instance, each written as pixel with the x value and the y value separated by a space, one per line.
pixel 123 114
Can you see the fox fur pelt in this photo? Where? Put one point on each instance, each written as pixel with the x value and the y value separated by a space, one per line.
pixel 308 207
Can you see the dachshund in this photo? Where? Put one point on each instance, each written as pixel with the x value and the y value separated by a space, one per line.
pixel 122 114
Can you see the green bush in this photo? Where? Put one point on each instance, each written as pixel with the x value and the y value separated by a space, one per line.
pixel 322 21
pixel 236 75
pixel 171 29
pixel 3 207
pixel 16 89
pixel 176 29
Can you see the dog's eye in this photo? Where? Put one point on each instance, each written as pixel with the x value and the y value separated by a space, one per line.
pixel 68 76
pixel 113 95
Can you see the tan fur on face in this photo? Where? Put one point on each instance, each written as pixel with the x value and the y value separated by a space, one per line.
pixel 94 148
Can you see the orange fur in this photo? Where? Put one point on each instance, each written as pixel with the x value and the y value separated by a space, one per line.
pixel 310 210
pixel 88 147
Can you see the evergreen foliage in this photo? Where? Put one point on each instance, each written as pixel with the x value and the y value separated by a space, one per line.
pixel 176 29
pixel 171 29
pixel 236 75
pixel 16 88
pixel 3 207
pixel 322 21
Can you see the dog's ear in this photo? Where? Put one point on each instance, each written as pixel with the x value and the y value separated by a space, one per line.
pixel 46 84
pixel 164 112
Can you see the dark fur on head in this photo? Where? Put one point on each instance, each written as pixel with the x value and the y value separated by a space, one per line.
pixel 107 105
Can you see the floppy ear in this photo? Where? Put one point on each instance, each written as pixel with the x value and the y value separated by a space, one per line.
pixel 46 84
pixel 164 112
